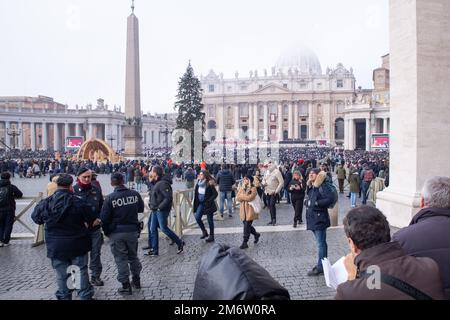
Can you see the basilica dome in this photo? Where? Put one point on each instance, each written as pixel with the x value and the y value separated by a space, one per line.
pixel 301 58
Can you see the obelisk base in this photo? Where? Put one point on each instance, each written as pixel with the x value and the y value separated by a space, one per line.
pixel 133 142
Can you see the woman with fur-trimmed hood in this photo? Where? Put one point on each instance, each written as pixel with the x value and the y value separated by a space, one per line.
pixel 205 195
pixel 319 197
pixel 247 193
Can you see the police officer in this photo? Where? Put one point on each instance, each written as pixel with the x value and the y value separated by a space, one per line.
pixel 66 220
pixel 93 197
pixel 120 222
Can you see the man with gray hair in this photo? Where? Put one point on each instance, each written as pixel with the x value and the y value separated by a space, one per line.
pixel 428 234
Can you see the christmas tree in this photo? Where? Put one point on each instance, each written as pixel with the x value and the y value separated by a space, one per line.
pixel 189 105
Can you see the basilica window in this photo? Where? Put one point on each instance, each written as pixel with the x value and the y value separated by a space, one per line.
pixel 302 85
pixel 285 85
pixel 229 88
pixel 260 86
pixel 243 110
pixel 243 88
pixel 319 85
pixel 340 83
pixel 211 111
pixel 303 109
pixel 211 88
pixel 340 107
pixel 286 111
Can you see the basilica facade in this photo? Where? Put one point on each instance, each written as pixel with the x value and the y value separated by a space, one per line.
pixel 295 101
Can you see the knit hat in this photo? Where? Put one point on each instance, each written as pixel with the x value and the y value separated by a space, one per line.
pixel 64 180
pixel 249 177
pixel 82 170
pixel 315 170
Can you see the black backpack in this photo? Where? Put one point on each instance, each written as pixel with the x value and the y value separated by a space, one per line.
pixel 5 195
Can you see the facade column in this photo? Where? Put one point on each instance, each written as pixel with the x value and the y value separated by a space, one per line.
pixel 7 126
pixel 224 120
pixel 368 133
pixel 77 129
pixel 236 126
pixel 21 137
pixel 66 132
pixel 55 136
pixel 250 132
pixel 44 136
pixel 280 121
pixel 90 131
pixel 419 113
pixel 385 128
pixel 310 121
pixel 32 136
pixel 346 127
pixel 291 119
pixel 296 124
pixel 351 134
pixel 266 122
pixel 256 121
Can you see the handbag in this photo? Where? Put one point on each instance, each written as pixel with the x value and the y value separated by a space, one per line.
pixel 256 204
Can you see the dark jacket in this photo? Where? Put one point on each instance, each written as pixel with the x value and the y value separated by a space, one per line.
pixel 64 216
pixel 428 235
pixel 297 194
pixel 92 197
pixel 225 180
pixel 120 211
pixel 229 274
pixel 14 193
pixel 161 197
pixel 287 178
pixel 421 273
pixel 320 196
pixel 210 206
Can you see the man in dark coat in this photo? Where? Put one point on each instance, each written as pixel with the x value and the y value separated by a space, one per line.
pixel 428 233
pixel 379 269
pixel 225 180
pixel 161 199
pixel 8 194
pixel 320 196
pixel 66 220
pixel 92 196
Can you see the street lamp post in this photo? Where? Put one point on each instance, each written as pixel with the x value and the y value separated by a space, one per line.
pixel 13 132
pixel 111 138
pixel 166 132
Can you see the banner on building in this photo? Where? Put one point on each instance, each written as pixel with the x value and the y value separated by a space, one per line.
pixel 380 141
pixel 74 142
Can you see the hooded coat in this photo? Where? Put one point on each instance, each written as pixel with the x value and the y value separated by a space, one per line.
pixel 320 196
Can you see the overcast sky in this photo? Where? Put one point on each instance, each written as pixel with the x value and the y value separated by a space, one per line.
pixel 74 50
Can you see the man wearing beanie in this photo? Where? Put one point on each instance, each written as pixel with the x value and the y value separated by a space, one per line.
pixel 93 198
pixel 66 218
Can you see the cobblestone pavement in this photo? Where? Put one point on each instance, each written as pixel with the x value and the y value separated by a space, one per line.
pixel 287 253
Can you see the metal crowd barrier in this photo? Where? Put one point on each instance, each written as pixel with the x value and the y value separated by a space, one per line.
pixel 36 232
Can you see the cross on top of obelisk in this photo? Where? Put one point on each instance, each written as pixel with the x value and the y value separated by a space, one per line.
pixel 132 6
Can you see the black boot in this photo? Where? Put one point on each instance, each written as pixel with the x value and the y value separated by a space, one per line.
pixel 274 222
pixel 205 234
pixel 136 282
pixel 126 289
pixel 257 237
pixel 295 224
pixel 270 222
pixel 244 245
pixel 210 238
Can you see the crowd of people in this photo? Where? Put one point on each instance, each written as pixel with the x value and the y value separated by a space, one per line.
pixel 303 177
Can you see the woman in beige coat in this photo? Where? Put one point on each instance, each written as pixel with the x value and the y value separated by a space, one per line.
pixel 246 194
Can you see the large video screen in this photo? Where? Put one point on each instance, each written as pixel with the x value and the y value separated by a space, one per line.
pixel 74 142
pixel 380 141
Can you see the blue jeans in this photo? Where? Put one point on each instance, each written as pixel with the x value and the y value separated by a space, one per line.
pixel 227 195
pixel 149 229
pixel 287 195
pixel 353 198
pixel 198 217
pixel 6 226
pixel 85 291
pixel 159 219
pixel 321 238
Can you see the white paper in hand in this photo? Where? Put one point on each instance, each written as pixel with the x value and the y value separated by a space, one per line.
pixel 334 274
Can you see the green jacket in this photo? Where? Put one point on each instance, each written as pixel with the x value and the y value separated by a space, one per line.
pixel 341 173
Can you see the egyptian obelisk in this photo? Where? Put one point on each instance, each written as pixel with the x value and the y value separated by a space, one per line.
pixel 133 126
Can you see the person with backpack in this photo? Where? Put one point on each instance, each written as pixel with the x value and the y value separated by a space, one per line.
pixel 319 198
pixel 246 194
pixel 8 194
pixel 189 176
pixel 355 182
